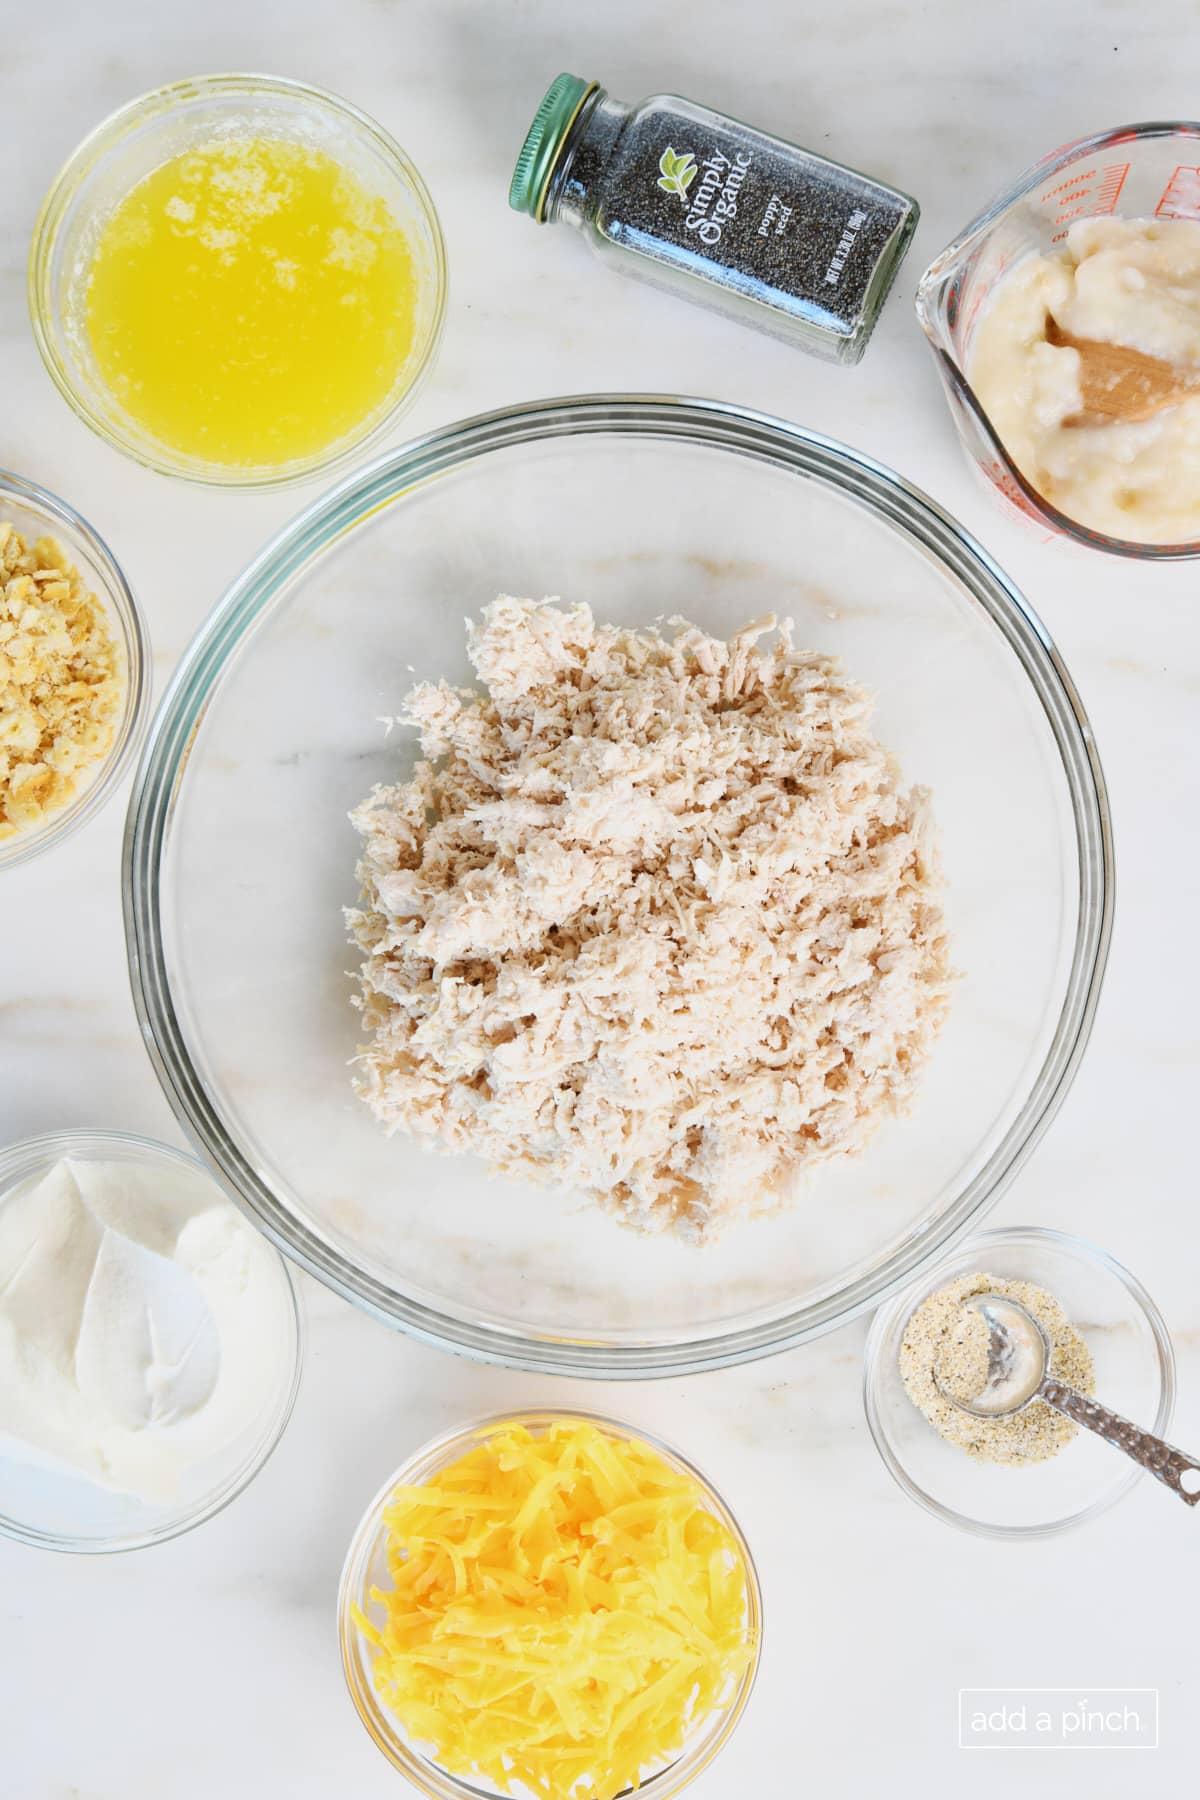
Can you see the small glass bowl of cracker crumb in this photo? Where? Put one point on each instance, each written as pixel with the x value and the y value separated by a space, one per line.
pixel 1033 1473
pixel 74 670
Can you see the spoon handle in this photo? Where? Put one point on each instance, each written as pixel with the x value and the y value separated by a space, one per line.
pixel 1162 1459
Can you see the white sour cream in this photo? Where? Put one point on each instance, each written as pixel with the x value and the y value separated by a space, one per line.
pixel 142 1323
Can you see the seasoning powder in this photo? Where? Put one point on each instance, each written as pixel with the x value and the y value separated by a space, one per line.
pixel 945 1342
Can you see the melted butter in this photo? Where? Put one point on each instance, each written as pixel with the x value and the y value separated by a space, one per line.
pixel 251 303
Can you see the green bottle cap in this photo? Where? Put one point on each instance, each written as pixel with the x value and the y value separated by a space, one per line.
pixel 546 136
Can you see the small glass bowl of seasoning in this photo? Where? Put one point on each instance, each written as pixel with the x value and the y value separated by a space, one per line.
pixel 1126 1354
pixel 151 1343
pixel 76 689
pixel 238 279
pixel 442 1470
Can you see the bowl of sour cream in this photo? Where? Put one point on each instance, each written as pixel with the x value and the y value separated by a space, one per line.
pixel 150 1343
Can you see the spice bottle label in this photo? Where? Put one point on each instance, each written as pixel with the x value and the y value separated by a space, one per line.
pixel 743 209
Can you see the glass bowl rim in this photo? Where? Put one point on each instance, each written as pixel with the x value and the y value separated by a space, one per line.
pixel 954 375
pixel 888 1316
pixel 434 1455
pixel 135 641
pixel 19 1161
pixel 715 424
pixel 159 102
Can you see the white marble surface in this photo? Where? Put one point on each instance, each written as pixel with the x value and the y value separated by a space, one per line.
pixel 210 1666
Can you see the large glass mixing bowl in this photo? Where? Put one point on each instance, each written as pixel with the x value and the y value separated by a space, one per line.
pixel 240 857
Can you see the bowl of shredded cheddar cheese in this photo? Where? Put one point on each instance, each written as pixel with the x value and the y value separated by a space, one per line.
pixel 549 1605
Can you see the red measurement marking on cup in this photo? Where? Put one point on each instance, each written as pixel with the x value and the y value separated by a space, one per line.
pixel 1110 187
pixel 1012 493
pixel 1181 196
pixel 1091 194
pixel 967 315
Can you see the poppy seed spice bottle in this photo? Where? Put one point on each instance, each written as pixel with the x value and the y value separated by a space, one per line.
pixel 727 216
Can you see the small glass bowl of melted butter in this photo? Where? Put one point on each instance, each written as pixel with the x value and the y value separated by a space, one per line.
pixel 238 280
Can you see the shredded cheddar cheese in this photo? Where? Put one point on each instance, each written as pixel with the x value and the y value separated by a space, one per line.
pixel 564 1612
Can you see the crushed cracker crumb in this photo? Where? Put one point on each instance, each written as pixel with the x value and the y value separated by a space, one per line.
pixel 61 681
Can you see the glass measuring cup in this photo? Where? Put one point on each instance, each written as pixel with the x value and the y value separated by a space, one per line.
pixel 1134 172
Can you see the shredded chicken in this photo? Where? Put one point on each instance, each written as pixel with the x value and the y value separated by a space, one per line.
pixel 654 920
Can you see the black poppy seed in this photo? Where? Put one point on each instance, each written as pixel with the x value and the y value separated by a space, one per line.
pixel 692 200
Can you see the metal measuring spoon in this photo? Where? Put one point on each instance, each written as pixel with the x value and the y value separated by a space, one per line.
pixel 1018 1374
